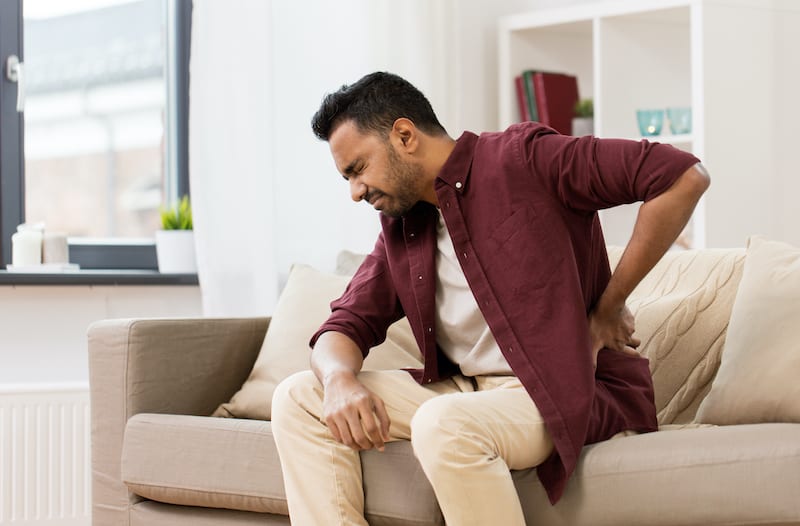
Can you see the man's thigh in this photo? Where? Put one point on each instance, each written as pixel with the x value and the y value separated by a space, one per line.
pixel 501 413
pixel 403 396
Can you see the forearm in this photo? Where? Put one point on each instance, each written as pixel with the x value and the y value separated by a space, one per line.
pixel 335 354
pixel 659 223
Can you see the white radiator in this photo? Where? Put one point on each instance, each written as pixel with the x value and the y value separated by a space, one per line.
pixel 44 455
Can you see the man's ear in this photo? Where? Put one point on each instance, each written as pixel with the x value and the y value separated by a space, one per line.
pixel 405 135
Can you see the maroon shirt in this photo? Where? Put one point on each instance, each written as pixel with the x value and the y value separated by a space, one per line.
pixel 521 208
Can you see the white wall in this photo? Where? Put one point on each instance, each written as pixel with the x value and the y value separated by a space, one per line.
pixel 314 55
pixel 447 48
pixel 43 328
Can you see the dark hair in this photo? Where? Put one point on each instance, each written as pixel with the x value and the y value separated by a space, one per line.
pixel 373 104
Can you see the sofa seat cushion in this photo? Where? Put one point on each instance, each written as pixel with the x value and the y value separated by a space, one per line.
pixel 731 475
pixel 203 461
pixel 233 463
pixel 743 474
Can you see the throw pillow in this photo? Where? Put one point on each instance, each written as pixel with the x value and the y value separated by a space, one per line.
pixel 758 377
pixel 347 262
pixel 682 308
pixel 302 307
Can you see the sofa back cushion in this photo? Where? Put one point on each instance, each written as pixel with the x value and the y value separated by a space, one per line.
pixel 758 378
pixel 682 308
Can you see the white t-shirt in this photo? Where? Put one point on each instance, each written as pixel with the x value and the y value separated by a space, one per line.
pixel 461 329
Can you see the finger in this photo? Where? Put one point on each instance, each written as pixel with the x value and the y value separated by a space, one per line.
pixel 370 421
pixel 630 350
pixel 383 418
pixel 333 428
pixel 349 438
pixel 340 429
pixel 635 342
pixel 372 430
pixel 360 440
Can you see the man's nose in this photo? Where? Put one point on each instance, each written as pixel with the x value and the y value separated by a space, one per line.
pixel 357 189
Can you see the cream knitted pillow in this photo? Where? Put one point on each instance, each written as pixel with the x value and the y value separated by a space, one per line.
pixel 682 308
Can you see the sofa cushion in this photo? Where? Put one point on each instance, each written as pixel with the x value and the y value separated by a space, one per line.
pixel 201 461
pixel 210 462
pixel 303 306
pixel 758 378
pixel 151 513
pixel 717 475
pixel 682 309
pixel 347 262
pixel 232 463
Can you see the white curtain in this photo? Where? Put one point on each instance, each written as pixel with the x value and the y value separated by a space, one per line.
pixel 230 156
pixel 265 191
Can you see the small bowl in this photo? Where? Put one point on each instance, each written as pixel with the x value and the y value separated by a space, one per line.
pixel 680 120
pixel 650 122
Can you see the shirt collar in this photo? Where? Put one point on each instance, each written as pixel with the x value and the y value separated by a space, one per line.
pixel 455 171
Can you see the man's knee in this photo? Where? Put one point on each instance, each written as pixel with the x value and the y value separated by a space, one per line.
pixel 436 428
pixel 292 394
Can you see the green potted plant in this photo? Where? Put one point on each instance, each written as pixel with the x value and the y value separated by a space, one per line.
pixel 175 240
pixel 583 119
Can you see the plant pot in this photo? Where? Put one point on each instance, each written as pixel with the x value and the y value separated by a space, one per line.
pixel 582 126
pixel 175 252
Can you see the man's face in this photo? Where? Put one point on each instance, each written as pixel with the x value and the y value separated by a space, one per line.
pixel 375 171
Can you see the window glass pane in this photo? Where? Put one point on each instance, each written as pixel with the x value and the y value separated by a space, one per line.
pixel 94 115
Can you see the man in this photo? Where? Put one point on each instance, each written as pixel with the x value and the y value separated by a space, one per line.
pixel 491 246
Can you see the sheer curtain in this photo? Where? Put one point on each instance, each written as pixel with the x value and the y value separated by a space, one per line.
pixel 265 191
pixel 230 156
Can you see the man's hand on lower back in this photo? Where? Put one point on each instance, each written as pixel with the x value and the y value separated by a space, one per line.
pixel 612 327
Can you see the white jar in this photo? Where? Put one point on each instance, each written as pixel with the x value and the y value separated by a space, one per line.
pixel 26 248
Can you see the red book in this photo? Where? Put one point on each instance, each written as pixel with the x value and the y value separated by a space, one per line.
pixel 522 99
pixel 556 96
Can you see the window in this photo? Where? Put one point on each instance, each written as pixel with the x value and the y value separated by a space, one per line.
pixel 102 142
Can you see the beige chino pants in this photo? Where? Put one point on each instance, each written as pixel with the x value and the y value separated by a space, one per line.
pixel 466 436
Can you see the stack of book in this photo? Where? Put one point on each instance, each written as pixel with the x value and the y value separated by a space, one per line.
pixel 548 98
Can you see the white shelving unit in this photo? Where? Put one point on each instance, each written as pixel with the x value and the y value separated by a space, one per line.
pixel 735 62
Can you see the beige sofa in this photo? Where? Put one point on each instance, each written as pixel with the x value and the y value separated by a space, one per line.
pixel 157 459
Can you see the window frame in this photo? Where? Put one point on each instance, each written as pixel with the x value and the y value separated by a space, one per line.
pixel 107 253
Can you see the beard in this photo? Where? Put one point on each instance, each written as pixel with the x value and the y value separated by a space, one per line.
pixel 406 180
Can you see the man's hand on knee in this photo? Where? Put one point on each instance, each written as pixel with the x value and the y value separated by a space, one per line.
pixel 356 416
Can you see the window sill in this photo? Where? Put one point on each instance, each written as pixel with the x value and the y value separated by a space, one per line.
pixel 97 277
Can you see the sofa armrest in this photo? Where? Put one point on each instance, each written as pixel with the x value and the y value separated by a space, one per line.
pixel 181 366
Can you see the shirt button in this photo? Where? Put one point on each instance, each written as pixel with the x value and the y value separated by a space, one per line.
pixel 510 349
pixel 430 329
pixel 411 235
pixel 428 381
pixel 459 185
pixel 419 277
pixel 464 255
pixel 447 205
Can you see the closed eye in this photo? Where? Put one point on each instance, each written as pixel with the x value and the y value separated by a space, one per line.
pixel 352 170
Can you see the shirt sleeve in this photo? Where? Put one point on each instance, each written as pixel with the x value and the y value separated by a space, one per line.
pixel 589 174
pixel 369 304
